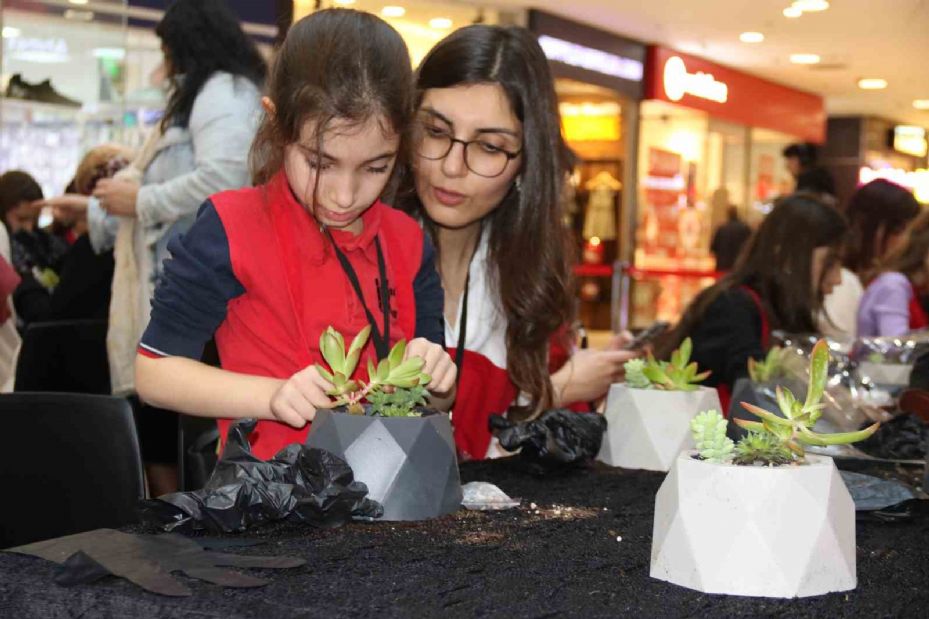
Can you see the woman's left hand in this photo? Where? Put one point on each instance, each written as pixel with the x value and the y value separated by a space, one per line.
pixel 438 365
pixel 117 196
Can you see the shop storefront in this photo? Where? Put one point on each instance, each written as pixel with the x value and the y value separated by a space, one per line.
pixel 710 139
pixel 598 77
pixel 860 149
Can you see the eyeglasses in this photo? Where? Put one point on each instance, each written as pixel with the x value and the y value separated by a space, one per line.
pixel 481 157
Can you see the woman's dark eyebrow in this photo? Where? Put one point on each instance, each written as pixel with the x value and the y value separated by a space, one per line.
pixel 445 119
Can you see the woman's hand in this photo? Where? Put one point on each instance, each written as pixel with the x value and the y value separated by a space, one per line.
pixel 117 196
pixel 588 374
pixel 438 365
pixel 298 399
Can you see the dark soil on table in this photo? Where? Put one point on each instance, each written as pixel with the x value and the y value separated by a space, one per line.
pixel 559 554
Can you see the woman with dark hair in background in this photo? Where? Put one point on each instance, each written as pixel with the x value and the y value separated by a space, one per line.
pixel 779 282
pixel 489 162
pixel 200 148
pixel 877 214
pixel 891 304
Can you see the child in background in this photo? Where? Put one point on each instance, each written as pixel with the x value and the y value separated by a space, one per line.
pixel 269 269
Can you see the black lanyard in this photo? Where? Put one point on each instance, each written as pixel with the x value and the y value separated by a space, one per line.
pixel 463 320
pixel 381 340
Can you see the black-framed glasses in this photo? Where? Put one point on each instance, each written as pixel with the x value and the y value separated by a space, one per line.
pixel 480 156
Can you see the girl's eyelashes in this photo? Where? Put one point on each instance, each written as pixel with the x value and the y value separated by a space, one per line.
pixel 316 165
pixel 378 170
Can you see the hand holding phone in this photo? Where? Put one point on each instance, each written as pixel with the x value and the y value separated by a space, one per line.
pixel 648 335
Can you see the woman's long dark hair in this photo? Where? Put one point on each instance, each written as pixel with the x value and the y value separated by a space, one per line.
pixel 875 212
pixel 201 37
pixel 777 265
pixel 526 228
pixel 910 257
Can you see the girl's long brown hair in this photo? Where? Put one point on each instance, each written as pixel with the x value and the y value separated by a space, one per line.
pixel 334 64
pixel 910 257
pixel 777 265
pixel 875 212
pixel 527 240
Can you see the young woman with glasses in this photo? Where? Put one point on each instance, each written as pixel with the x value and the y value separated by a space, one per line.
pixel 488 166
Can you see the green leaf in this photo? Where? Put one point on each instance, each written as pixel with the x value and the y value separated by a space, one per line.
pixel 396 354
pixel 324 373
pixel 333 351
pixel 383 371
pixel 819 373
pixel 840 438
pixel 751 426
pixel 687 347
pixel 372 371
pixel 766 415
pixel 656 376
pixel 360 340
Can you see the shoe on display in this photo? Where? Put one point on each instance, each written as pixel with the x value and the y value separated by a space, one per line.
pixel 43 92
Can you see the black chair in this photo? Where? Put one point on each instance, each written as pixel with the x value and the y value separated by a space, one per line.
pixel 69 463
pixel 68 356
pixel 198 439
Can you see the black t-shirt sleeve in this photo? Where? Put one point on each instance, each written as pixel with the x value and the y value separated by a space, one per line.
pixel 430 297
pixel 192 298
pixel 727 337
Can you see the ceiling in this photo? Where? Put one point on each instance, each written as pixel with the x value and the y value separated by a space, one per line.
pixel 856 38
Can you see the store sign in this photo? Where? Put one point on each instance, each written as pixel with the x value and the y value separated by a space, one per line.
pixel 910 140
pixel 35 49
pixel 679 82
pixel 916 181
pixel 591 59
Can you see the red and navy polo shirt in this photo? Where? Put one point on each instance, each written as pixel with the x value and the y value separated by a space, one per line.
pixel 256 271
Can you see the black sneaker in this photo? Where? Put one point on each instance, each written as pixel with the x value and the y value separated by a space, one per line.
pixel 18 88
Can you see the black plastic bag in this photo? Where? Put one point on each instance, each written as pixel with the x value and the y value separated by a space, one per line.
pixel 902 438
pixel 557 439
pixel 146 560
pixel 300 483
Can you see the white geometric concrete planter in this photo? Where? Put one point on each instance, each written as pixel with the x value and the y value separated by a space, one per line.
pixel 648 428
pixel 783 532
pixel 886 374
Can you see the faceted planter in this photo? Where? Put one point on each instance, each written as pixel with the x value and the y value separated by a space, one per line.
pixel 647 428
pixel 784 531
pixel 408 463
pixel 761 395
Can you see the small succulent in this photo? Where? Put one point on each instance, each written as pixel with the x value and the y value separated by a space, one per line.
pixel 395 387
pixel 709 432
pixel 767 369
pixel 762 447
pixel 794 429
pixel 877 357
pixel 680 374
pixel 635 374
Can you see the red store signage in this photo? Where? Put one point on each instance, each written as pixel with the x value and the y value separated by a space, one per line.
pixel 732 95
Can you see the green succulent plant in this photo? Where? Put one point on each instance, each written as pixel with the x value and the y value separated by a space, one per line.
pixel 794 429
pixel 635 374
pixel 709 432
pixel 762 447
pixel 680 374
pixel 395 387
pixel 768 368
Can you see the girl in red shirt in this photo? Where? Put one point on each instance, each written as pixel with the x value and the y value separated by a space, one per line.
pixel 267 269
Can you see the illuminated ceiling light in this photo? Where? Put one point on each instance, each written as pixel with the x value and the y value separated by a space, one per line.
pixel 921 104
pixel 9 32
pixel 810 6
pixel 804 58
pixel 345 2
pixel 393 11
pixel 440 23
pixel 751 37
pixel 792 12
pixel 81 2
pixel 872 83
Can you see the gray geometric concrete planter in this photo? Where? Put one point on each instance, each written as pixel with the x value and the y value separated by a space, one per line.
pixel 786 531
pixel 408 463
pixel 648 428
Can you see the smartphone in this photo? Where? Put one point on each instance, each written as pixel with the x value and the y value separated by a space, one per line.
pixel 649 334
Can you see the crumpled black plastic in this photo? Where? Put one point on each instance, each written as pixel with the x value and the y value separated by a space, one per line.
pixel 902 438
pixel 300 484
pixel 146 560
pixel 557 439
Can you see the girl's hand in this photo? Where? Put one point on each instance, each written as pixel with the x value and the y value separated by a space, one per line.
pixel 438 365
pixel 117 196
pixel 297 400
pixel 74 202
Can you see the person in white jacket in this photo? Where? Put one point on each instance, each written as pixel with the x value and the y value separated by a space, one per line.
pixel 200 148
